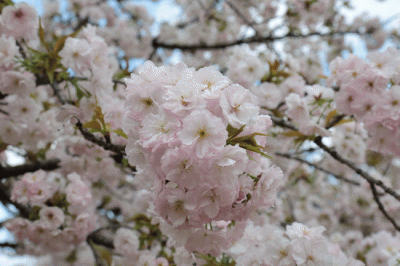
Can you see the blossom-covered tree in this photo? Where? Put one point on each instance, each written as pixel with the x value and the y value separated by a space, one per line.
pixel 217 139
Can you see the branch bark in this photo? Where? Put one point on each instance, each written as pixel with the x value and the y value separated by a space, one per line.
pixel 339 177
pixel 255 39
pixel 9 171
pixel 119 149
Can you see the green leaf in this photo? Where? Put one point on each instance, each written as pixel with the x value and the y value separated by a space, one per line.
pixel 41 36
pixel 71 258
pixel 292 133
pixel 59 44
pixel 34 214
pixel 92 125
pixel 80 94
pixel 121 133
pixel 104 254
pixel 343 121
pixel 98 114
pixel 330 116
pixel 233 132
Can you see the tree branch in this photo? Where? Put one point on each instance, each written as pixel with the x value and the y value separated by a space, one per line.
pixel 282 123
pixel 9 245
pixel 9 171
pixel 363 174
pixel 255 39
pixel 289 156
pixel 119 149
pixel 382 208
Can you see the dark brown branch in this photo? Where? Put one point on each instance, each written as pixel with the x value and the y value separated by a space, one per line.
pixel 119 149
pixel 96 238
pixel 255 39
pixel 363 174
pixel 9 171
pixel 9 245
pixel 336 156
pixel 101 240
pixel 57 92
pixel 4 112
pixel 289 156
pixel 382 208
pixel 334 121
pixel 5 196
pixel 239 13
pixel 282 123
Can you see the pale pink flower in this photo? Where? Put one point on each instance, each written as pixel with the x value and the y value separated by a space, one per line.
pixel 76 54
pixel 13 82
pixel 23 109
pixel 8 50
pixel 183 258
pixel 175 205
pixel 206 242
pixel 311 252
pixel 298 230
pixel 32 188
pixel 226 165
pixel 353 67
pixel 161 261
pixel 238 105
pixel 10 132
pixel 181 167
pixel 278 252
pixel 52 217
pixel 143 100
pixel 20 20
pixel 269 94
pixel 126 242
pixel 377 257
pixel 78 194
pixel 84 224
pixel 184 97
pixel 297 108
pixel 267 186
pixel 293 84
pixel 159 128
pixel 212 82
pixel 345 98
pixel 211 199
pixel 204 132
pixel 39 233
pixel 146 258
pixel 20 227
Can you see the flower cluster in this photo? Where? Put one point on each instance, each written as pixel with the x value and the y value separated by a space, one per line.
pixel 59 209
pixel 200 137
pixel 298 245
pixel 369 90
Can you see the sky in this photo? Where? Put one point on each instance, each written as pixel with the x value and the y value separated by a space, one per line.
pixel 165 11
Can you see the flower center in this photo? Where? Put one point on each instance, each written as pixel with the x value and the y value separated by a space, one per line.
pixel 19 13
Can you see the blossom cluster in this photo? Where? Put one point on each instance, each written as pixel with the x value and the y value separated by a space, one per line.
pixel 194 172
pixel 298 245
pixel 199 137
pixel 369 90
pixel 60 210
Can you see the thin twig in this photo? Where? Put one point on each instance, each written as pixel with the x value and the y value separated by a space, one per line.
pixel 120 149
pixel 9 245
pixel 363 174
pixel 282 123
pixel 382 208
pixel 289 156
pixel 4 112
pixel 57 92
